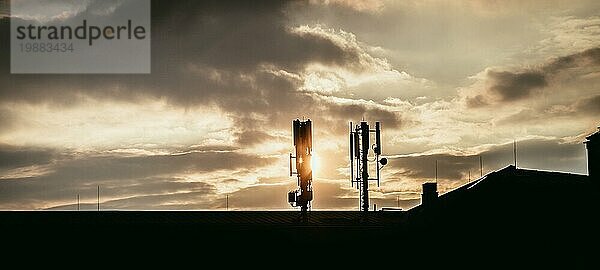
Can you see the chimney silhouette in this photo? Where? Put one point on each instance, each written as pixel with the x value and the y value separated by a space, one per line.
pixel 593 153
pixel 430 194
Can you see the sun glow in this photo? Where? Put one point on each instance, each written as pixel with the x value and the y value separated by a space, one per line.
pixel 315 163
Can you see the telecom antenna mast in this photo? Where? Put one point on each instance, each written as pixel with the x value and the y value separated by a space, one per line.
pixel 303 143
pixel 359 153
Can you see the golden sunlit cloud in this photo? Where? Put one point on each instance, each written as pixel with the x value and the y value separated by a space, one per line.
pixel 94 124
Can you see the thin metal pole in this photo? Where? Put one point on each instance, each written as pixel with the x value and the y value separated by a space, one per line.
pixel 78 202
pixel 227 202
pixel 436 170
pixel 480 166
pixel 359 193
pixel 515 152
pixel 98 196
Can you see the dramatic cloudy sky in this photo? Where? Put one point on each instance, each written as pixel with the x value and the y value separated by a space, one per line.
pixel 449 80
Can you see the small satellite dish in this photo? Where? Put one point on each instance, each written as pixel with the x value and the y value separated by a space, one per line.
pixel 383 161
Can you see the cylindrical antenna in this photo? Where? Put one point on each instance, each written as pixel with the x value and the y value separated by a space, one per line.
pixel 357 153
pixel 295 130
pixel 377 148
pixel 351 143
pixel 357 145
pixel 351 155
pixel 308 131
pixel 377 139
pixel 98 196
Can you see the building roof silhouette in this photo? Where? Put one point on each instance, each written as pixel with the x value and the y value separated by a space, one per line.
pixel 513 199
pixel 511 186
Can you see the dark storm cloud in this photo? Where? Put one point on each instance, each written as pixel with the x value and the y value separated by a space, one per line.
pixel 589 105
pixel 14 157
pixel 241 36
pixel 119 176
pixel 513 86
pixel 357 111
pixel 115 167
pixel 252 137
pixel 588 57
pixel 476 101
pixel 231 40
pixel 507 86
pixel 213 53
